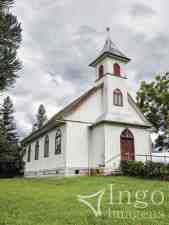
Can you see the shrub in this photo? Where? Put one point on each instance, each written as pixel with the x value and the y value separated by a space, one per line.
pixel 132 168
pixel 11 168
pixel 148 169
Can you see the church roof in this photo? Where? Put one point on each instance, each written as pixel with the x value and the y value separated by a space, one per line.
pixel 109 46
pixel 58 118
pixel 110 50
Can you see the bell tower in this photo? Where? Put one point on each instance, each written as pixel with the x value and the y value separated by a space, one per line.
pixel 110 61
pixel 110 66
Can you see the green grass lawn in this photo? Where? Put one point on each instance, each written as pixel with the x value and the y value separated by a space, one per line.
pixel 51 201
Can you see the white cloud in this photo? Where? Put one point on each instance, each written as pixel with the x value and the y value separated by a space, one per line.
pixel 61 37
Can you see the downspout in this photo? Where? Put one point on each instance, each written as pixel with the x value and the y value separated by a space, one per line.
pixel 89 149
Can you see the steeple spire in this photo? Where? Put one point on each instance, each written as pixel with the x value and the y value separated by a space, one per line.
pixel 108 33
pixel 110 47
pixel 110 50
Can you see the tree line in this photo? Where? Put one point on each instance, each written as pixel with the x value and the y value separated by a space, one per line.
pixel 11 154
pixel 10 39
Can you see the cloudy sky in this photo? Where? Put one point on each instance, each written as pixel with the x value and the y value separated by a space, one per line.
pixel 61 37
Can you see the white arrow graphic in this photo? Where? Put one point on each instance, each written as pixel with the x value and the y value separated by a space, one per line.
pixel 83 198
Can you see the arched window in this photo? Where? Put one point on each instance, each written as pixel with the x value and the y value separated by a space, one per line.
pixel 116 68
pixel 46 147
pixel 37 150
pixel 101 71
pixel 127 134
pixel 29 154
pixel 58 140
pixel 118 97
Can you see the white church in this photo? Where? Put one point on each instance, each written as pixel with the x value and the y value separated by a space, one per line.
pixel 95 131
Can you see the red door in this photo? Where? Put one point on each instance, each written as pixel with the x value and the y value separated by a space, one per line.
pixel 127 145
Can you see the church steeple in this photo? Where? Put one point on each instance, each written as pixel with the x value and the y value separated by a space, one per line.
pixel 111 48
pixel 110 56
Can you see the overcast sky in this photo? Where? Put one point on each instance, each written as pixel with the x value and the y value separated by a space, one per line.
pixel 61 37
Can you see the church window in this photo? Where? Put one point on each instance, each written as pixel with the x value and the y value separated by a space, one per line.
pixel 37 150
pixel 118 97
pixel 29 154
pixel 58 140
pixel 46 147
pixel 116 68
pixel 101 71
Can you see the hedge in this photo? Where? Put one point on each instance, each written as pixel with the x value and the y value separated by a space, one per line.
pixel 9 169
pixel 149 169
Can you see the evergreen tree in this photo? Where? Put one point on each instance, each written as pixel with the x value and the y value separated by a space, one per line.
pixel 2 138
pixel 5 4
pixel 153 99
pixel 41 116
pixel 11 163
pixel 10 38
pixel 2 135
pixel 8 121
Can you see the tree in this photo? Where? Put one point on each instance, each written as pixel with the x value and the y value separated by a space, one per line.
pixel 11 163
pixel 41 116
pixel 153 99
pixel 8 121
pixel 5 4
pixel 10 39
pixel 3 141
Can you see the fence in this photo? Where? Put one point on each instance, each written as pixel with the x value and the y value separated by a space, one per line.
pixel 162 157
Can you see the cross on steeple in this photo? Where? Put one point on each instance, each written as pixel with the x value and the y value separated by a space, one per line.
pixel 108 32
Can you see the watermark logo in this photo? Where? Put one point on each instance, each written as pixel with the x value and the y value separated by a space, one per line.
pixel 136 201
pixel 98 195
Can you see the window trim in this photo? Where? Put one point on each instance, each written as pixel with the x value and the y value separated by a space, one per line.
pixel 127 134
pixel 29 154
pixel 58 142
pixel 46 146
pixel 37 150
pixel 117 97
pixel 117 69
pixel 100 71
